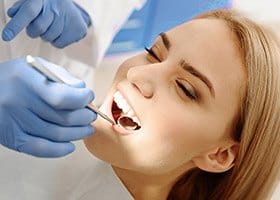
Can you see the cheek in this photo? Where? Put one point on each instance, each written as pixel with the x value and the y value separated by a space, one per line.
pixel 170 140
pixel 162 145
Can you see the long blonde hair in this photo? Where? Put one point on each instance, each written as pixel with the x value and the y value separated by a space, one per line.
pixel 257 165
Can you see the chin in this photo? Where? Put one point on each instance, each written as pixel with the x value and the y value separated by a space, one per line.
pixel 109 142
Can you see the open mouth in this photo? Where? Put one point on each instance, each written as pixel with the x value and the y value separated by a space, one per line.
pixel 123 114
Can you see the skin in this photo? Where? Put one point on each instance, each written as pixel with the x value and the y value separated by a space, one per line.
pixel 178 133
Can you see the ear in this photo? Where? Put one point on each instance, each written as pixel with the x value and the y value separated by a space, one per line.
pixel 219 159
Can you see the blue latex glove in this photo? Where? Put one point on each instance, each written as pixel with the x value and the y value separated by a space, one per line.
pixel 60 22
pixel 40 117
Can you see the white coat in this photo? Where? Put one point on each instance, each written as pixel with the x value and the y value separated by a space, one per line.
pixel 23 177
pixel 107 18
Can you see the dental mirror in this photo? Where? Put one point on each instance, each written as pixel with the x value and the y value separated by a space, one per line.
pixel 127 123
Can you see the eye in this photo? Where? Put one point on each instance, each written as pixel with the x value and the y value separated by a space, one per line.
pixel 152 53
pixel 187 92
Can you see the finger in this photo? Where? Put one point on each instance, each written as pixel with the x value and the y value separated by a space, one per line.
pixel 57 95
pixel 35 126
pixel 80 84
pixel 80 117
pixel 84 14
pixel 13 10
pixel 61 96
pixel 39 147
pixel 40 25
pixel 86 18
pixel 54 30
pixel 26 13
pixel 70 34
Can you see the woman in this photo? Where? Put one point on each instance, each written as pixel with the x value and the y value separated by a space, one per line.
pixel 205 98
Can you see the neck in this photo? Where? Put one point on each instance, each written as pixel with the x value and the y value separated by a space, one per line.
pixel 142 186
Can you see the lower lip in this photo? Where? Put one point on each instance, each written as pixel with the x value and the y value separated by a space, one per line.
pixel 120 130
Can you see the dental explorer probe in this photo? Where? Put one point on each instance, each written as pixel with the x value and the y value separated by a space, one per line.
pixel 39 66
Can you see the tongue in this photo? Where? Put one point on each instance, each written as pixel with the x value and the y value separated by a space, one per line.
pixel 116 111
pixel 127 123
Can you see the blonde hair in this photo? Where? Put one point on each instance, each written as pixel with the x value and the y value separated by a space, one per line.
pixel 257 165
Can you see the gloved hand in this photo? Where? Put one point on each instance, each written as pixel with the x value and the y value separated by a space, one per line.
pixel 60 22
pixel 41 117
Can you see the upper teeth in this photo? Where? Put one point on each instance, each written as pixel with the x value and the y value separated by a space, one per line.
pixel 127 110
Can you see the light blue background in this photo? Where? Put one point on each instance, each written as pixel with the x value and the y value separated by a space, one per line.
pixel 157 16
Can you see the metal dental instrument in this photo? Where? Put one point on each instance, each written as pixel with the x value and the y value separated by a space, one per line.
pixel 36 64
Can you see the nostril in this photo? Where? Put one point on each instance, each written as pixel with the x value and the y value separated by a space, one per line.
pixel 142 80
pixel 145 90
pixel 136 87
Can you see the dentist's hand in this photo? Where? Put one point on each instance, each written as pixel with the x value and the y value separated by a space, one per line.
pixel 40 117
pixel 60 22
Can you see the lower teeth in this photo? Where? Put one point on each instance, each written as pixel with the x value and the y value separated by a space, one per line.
pixel 127 123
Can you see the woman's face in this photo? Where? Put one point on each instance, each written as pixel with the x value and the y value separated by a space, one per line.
pixel 185 94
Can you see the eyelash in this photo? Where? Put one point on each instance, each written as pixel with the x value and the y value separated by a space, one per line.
pixel 152 53
pixel 181 86
pixel 186 91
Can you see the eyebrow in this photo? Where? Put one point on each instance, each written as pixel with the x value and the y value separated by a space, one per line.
pixel 186 66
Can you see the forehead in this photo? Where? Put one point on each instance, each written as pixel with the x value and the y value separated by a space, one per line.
pixel 210 46
pixel 211 37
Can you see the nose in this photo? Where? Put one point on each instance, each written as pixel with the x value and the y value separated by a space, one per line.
pixel 143 79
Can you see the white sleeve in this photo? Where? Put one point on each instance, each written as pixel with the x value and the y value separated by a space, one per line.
pixel 107 18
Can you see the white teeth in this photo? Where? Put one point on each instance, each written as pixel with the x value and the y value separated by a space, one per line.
pixel 130 113
pixel 127 110
pixel 125 107
pixel 117 95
